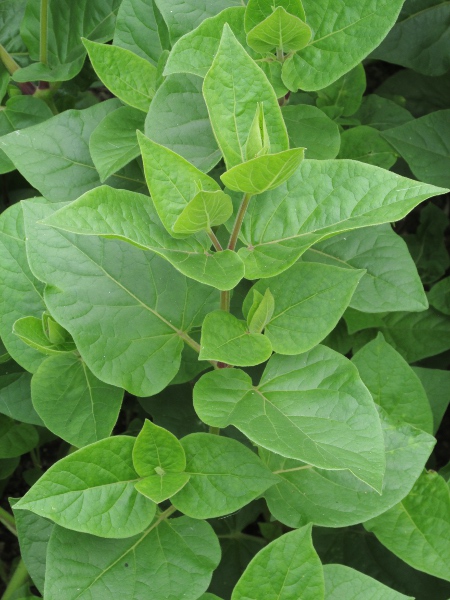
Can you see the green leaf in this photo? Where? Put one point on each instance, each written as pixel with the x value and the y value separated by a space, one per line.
pixel 342 38
pixel 178 119
pixel 286 412
pixel 157 451
pixel 393 384
pixel 257 11
pixel 172 180
pixel 67 22
pixel 367 145
pixel 15 398
pixel 417 529
pixel 424 144
pixel 42 152
pixel 343 583
pixel 224 476
pixel 264 172
pixel 439 296
pixel 307 494
pixel 258 142
pixel 437 386
pixel 232 100
pixel 137 29
pixel 419 40
pixel 171 559
pixel 126 309
pixel 381 113
pixel 30 330
pixel 205 210
pixel 72 402
pixel 16 438
pixel 132 217
pixel 92 490
pixel 113 143
pixel 391 282
pixel 227 339
pixel 128 76
pixel 287 568
pixel 321 199
pixel 7 467
pixel 309 301
pixel 279 30
pixel 309 127
pixel 261 311
pixel 20 292
pixel 345 94
pixel 161 487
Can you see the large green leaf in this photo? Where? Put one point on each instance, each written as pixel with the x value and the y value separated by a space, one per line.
pixel 420 38
pixel 424 144
pixel 128 76
pixel 337 498
pixel 309 301
pixel 178 118
pixel 72 402
pixel 312 407
pixel 343 583
pixel 393 384
pixel 391 281
pixel 309 127
pixel 263 172
pixel 113 143
pixel 287 568
pixel 61 144
pixel 233 87
pixel 132 217
pixel 15 398
pixel 21 293
pixel 418 528
pixel 195 51
pixel 224 476
pixel 342 38
pixel 67 23
pixel 126 309
pixel 92 490
pixel 171 560
pixel 322 198
pixel 16 438
pixel 137 29
pixel 228 339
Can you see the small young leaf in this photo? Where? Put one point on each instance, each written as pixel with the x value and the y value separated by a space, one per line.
pixel 160 487
pixel 232 100
pixel 279 30
pixel 92 490
pixel 205 210
pixel 264 172
pixel 157 451
pixel 344 583
pixel 31 331
pixel 53 330
pixel 113 143
pixel 393 384
pixel 309 301
pixel 286 412
pixel 258 11
pixel 129 77
pixel 258 142
pixel 72 402
pixel 287 568
pixel 261 311
pixel 224 476
pixel 227 339
pixel 417 529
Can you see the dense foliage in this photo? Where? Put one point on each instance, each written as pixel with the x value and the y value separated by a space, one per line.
pixel 224 301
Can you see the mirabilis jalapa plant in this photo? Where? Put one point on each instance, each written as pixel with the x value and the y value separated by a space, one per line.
pixel 210 275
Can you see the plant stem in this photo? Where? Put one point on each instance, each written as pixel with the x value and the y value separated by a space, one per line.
pixel 217 245
pixel 43 54
pixel 8 521
pixel 280 55
pixel 214 430
pixel 8 61
pixel 189 341
pixel 225 301
pixel 238 222
pixel 18 578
